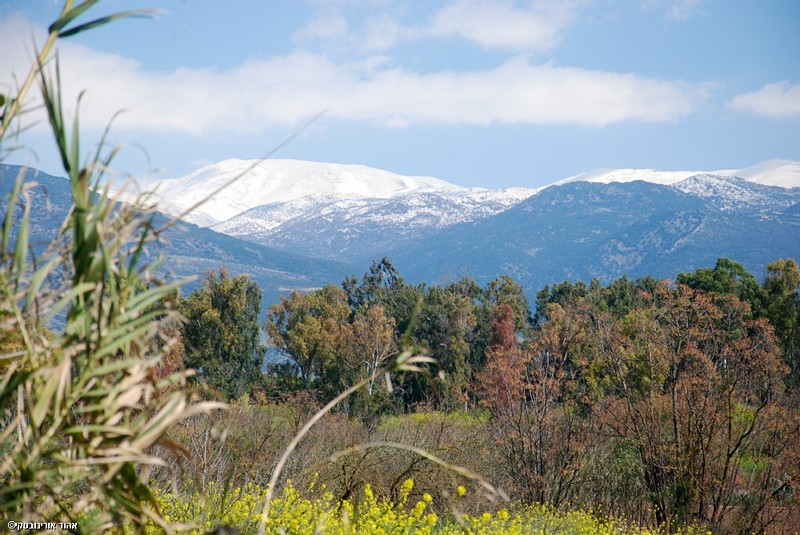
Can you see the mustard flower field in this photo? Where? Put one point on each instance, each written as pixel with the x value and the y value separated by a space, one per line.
pixel 292 513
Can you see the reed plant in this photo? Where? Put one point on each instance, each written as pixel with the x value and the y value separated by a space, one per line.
pixel 82 405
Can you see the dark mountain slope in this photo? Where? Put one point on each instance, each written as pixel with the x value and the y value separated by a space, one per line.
pixel 583 230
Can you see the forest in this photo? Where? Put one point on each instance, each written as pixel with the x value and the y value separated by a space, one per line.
pixel 662 403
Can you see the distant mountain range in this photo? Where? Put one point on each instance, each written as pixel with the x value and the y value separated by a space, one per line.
pixel 189 250
pixel 333 211
pixel 783 173
pixel 584 230
pixel 294 224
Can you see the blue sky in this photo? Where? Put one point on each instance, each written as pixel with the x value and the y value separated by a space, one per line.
pixel 477 92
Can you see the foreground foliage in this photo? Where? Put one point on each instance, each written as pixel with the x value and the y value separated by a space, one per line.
pixel 658 402
pixel 81 406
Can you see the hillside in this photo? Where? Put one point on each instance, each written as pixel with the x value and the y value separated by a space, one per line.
pixel 583 230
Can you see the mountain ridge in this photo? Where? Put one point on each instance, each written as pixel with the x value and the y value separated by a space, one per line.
pixel 356 213
pixel 353 228
pixel 775 172
pixel 576 230
pixel 276 180
pixel 584 230
pixel 283 180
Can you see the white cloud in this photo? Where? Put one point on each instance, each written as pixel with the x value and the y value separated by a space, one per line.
pixel 331 29
pixel 382 33
pixel 676 10
pixel 532 26
pixel 779 100
pixel 502 24
pixel 16 35
pixel 681 10
pixel 324 26
pixel 518 92
pixel 291 88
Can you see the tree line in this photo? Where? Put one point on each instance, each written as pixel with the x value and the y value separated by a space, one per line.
pixel 328 338
pixel 673 402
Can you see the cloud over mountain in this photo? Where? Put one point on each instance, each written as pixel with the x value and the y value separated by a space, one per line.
pixel 780 100
pixel 291 88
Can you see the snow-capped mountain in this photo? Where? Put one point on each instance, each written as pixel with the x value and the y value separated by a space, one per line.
pixel 603 224
pixel 190 251
pixel 334 211
pixel 729 193
pixel 583 230
pixel 781 173
pixel 293 188
pixel 354 213
pixel 277 181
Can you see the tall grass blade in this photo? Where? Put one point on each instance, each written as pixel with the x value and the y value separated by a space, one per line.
pixel 105 20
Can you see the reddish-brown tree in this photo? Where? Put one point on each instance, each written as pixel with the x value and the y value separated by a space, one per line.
pixel 537 417
pixel 696 385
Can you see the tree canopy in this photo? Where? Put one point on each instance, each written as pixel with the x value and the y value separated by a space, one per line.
pixel 222 334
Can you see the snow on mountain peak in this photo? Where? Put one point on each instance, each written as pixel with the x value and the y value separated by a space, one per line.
pixel 607 176
pixel 274 182
pixel 782 173
pixel 730 193
pixel 270 181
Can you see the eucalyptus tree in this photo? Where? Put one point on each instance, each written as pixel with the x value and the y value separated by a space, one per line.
pixel 222 334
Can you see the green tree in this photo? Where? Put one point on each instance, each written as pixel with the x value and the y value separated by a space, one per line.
pixel 623 295
pixel 562 293
pixel 447 326
pixel 618 297
pixel 726 277
pixel 782 308
pixel 506 291
pixel 383 285
pixel 222 335
pixel 382 275
pixel 313 330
